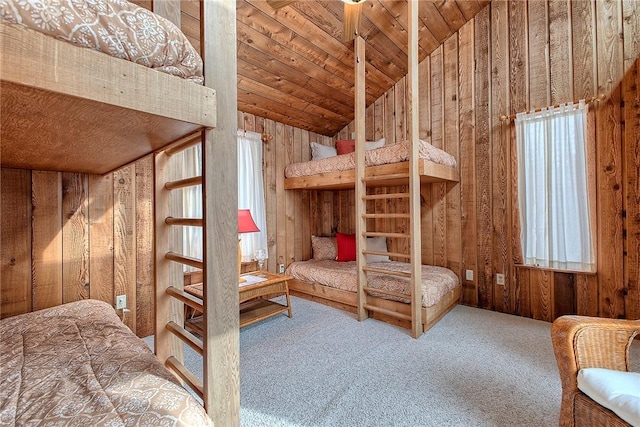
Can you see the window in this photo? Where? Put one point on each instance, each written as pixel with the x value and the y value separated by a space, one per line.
pixel 552 188
pixel 250 195
pixel 251 191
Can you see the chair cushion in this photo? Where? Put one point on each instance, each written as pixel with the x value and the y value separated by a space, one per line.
pixel 615 390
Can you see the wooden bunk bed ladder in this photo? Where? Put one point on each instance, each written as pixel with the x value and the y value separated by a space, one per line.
pixel 364 303
pixel 391 179
pixel 170 296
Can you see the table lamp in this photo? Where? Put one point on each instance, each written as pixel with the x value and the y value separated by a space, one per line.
pixel 245 225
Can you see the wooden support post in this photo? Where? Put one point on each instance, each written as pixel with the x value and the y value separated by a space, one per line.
pixel 414 179
pixel 221 388
pixel 361 189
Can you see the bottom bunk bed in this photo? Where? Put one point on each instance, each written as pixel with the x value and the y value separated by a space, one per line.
pixel 335 283
pixel 78 364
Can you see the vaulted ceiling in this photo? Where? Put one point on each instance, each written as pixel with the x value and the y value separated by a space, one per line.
pixel 294 68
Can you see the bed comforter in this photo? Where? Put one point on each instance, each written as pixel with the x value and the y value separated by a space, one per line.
pixel 79 365
pixel 116 27
pixel 391 153
pixel 436 281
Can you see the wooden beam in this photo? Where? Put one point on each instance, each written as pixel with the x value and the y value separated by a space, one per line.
pixel 221 390
pixel 360 185
pixel 414 179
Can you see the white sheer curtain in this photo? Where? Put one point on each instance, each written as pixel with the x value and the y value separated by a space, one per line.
pixel 250 195
pixel 251 191
pixel 552 188
pixel 192 203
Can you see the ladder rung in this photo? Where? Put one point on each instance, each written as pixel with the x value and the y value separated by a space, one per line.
pixel 385 292
pixel 186 298
pixel 388 272
pixel 386 196
pixel 193 262
pixel 374 178
pixel 387 215
pixel 402 175
pixel 387 312
pixel 182 183
pixel 186 336
pixel 393 254
pixel 186 375
pixel 183 143
pixel 381 234
pixel 189 222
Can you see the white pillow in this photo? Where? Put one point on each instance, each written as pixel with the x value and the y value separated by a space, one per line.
pixel 377 244
pixel 615 390
pixel 370 145
pixel 319 151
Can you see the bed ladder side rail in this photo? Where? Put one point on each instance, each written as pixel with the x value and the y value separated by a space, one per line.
pixel 360 182
pixel 412 194
pixel 414 177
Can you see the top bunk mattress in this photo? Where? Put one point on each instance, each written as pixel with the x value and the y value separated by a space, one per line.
pixel 392 153
pixel 78 364
pixel 116 27
pixel 436 281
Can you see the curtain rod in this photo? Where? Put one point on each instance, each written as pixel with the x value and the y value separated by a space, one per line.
pixel 537 110
pixel 265 137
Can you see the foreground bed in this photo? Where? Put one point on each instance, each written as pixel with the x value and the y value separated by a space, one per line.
pixel 66 108
pixel 335 283
pixel 78 364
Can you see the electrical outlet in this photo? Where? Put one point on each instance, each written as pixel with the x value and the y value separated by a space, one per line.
pixel 500 279
pixel 121 302
pixel 469 274
pixel 281 268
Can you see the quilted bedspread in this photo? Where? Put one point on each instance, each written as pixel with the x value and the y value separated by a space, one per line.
pixel 391 153
pixel 436 281
pixel 79 365
pixel 116 27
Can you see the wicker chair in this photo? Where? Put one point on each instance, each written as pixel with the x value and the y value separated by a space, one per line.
pixel 584 342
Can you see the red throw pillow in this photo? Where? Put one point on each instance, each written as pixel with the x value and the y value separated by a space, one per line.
pixel 345 146
pixel 346 247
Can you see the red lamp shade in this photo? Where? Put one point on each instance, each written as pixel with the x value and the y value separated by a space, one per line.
pixel 245 222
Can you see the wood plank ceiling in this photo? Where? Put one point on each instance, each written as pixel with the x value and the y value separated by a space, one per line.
pixel 294 68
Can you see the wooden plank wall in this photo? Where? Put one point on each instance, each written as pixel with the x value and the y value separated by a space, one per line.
pixel 68 236
pixel 76 236
pixel 292 216
pixel 514 56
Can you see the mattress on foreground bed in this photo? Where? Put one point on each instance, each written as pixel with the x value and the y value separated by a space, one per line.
pixel 78 364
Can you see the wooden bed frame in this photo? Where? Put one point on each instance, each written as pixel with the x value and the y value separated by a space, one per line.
pixel 391 175
pixel 53 103
pixel 348 301
pixel 412 174
pixel 71 109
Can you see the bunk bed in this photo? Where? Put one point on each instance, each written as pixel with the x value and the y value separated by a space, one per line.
pixel 336 283
pixel 419 164
pixel 70 108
